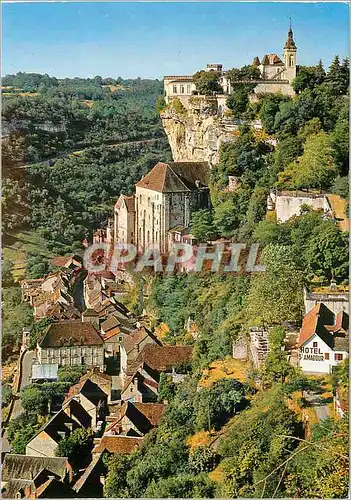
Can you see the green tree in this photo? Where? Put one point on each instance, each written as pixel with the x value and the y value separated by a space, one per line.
pixel 77 447
pixel 315 168
pixel 327 252
pixel 338 76
pixel 207 82
pixel 34 401
pixel 226 218
pixel 202 225
pixel 116 480
pixel 276 295
pixel 182 486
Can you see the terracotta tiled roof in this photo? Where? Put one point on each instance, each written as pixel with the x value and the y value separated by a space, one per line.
pixel 129 201
pixel 152 411
pixel 122 445
pixel 136 337
pixel 320 320
pixel 109 323
pixel 144 416
pixel 100 380
pixel 163 358
pixel 176 177
pixel 111 333
pixel 70 333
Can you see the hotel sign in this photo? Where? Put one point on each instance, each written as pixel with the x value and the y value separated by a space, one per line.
pixel 311 354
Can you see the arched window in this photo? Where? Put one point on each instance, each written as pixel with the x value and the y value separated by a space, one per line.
pixel 291 61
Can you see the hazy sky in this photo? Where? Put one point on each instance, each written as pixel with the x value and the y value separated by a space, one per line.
pixel 154 39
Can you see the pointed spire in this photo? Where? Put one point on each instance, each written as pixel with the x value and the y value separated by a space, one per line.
pixel 290 44
pixel 256 61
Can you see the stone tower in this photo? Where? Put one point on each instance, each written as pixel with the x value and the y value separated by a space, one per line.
pixel 290 50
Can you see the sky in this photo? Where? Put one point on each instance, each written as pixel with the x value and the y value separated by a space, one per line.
pixel 153 39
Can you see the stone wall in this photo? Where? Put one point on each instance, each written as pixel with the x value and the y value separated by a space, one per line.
pixel 277 87
pixel 288 204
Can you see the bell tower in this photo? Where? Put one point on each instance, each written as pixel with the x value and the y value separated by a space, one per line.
pixel 290 50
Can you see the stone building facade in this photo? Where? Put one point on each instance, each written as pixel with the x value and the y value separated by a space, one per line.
pixel 124 219
pixel 71 343
pixel 276 75
pixel 165 198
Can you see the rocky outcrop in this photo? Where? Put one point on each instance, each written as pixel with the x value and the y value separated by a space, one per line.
pixel 196 129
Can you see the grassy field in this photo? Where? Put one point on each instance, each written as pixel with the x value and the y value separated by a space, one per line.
pixel 226 368
pixel 17 246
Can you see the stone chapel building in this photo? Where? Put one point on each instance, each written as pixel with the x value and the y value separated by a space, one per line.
pixel 164 199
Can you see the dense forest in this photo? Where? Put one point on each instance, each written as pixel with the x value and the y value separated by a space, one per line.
pixel 72 146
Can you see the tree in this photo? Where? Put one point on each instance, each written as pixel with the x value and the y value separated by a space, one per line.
pixel 276 295
pixel 71 374
pixel 308 77
pixel 182 486
pixel 202 226
pixel 166 388
pixel 6 394
pixel 269 107
pixel 215 405
pixel 338 76
pixel 116 480
pixel 327 252
pixel 341 187
pixel 247 72
pixel 315 168
pixel 207 82
pixel 76 447
pixel 6 271
pixel 226 218
pixel 238 100
pixel 34 401
pixel 276 367
pixel 203 459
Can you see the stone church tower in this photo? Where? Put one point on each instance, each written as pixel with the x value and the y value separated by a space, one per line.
pixel 290 50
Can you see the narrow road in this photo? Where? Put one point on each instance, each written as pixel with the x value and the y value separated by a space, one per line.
pixel 320 406
pixel 27 363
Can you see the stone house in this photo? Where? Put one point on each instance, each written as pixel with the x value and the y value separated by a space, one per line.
pixel 166 197
pixel 35 477
pixel 323 339
pixel 46 441
pixel 91 398
pixel 71 343
pixel 141 379
pixel 259 345
pixel 133 344
pixel 134 419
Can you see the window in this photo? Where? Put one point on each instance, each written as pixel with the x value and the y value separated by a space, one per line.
pixel 338 357
pixel 326 356
pixel 315 344
pixel 182 89
pixel 188 89
pixel 174 89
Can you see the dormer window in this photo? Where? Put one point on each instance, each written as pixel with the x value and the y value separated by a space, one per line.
pixel 82 341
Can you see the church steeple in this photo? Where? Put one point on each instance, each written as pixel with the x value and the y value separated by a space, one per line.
pixel 290 51
pixel 290 44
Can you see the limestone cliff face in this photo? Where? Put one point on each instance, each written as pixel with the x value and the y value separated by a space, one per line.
pixel 196 129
